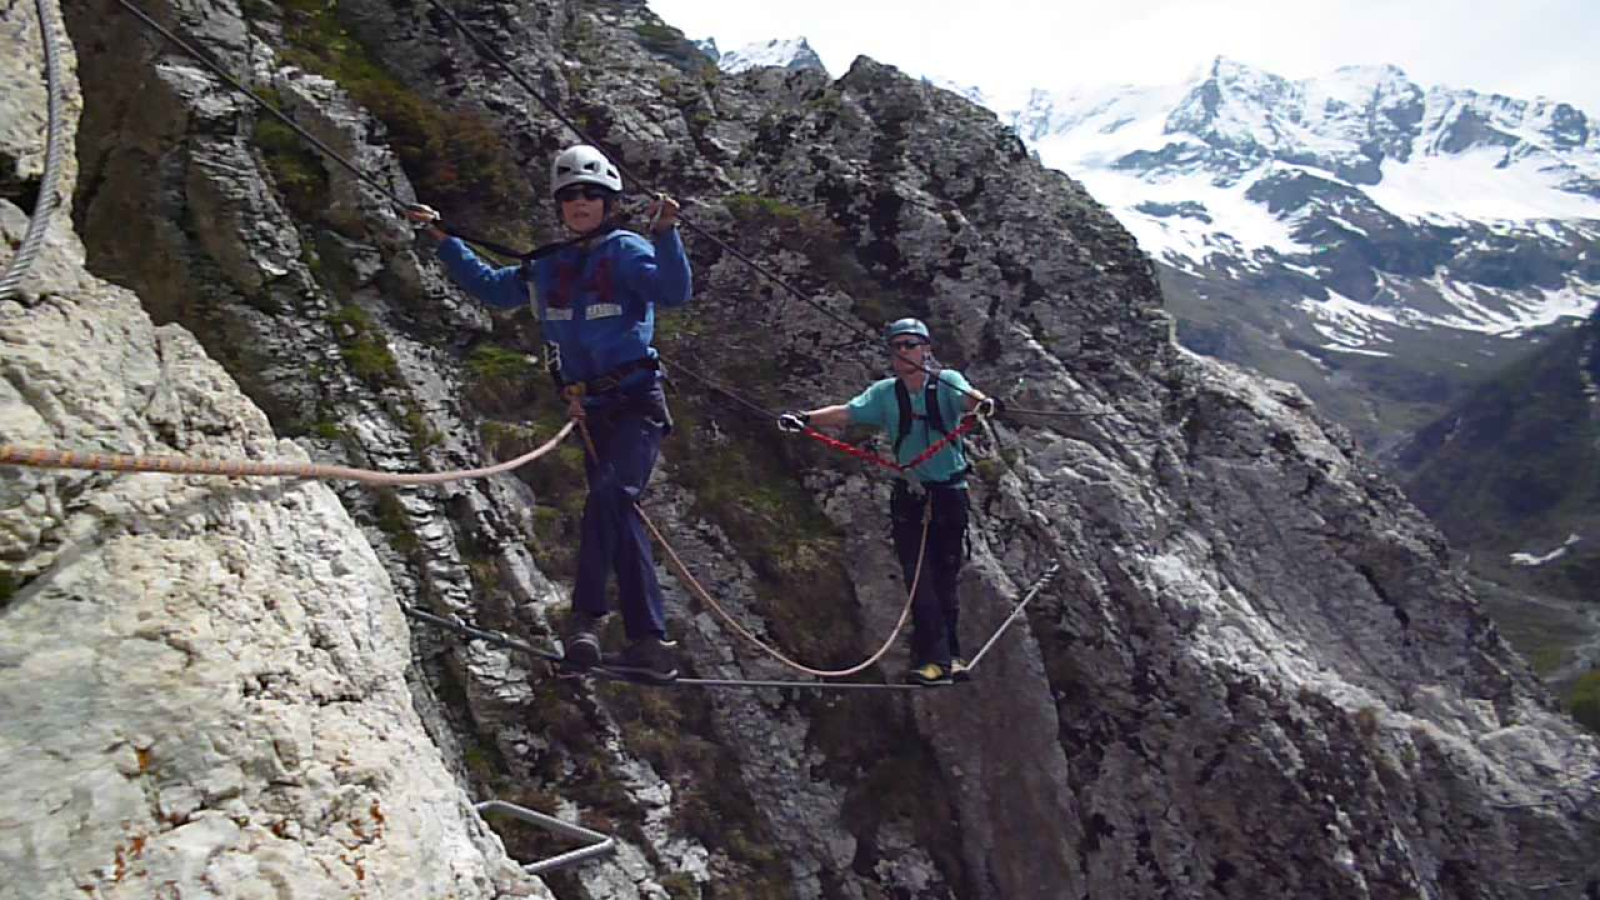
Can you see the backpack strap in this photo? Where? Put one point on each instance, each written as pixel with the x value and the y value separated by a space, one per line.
pixel 930 402
pixel 903 397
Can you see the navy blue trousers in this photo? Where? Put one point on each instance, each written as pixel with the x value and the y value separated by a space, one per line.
pixel 627 437
pixel 935 610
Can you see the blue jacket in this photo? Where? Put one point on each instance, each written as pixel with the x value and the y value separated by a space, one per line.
pixel 596 303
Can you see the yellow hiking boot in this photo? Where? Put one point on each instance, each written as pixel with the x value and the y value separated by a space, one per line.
pixel 928 675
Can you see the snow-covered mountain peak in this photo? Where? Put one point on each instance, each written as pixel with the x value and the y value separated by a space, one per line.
pixel 1369 205
pixel 793 53
pixel 971 92
pixel 1358 127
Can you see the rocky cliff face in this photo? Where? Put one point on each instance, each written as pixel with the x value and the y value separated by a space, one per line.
pixel 1500 474
pixel 1257 676
pixel 202 682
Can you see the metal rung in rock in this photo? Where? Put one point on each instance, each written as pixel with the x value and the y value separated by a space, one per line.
pixel 600 845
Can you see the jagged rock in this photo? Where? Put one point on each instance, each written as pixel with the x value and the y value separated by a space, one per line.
pixel 202 680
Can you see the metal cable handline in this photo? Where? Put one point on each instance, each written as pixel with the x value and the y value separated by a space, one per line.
pixel 648 185
pixel 494 637
pixel 757 408
pixel 184 465
pixel 489 51
pixel 375 183
pixel 969 422
pixel 538 252
pixel 47 201
pixel 705 595
pixel 469 631
pixel 1038 585
pixel 239 86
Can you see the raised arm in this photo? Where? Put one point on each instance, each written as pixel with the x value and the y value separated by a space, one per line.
pixel 501 288
pixel 661 272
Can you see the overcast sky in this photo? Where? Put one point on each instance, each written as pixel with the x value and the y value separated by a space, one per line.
pixel 1525 48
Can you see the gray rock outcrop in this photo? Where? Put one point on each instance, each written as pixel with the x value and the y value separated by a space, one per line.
pixel 202 682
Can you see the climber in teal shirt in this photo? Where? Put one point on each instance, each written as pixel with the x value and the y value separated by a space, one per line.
pixel 919 406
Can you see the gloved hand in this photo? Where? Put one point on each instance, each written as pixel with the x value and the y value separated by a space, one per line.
pixel 426 219
pixel 663 213
pixel 990 406
pixel 794 422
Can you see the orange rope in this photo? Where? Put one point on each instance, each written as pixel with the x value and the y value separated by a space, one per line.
pixel 182 465
pixel 704 595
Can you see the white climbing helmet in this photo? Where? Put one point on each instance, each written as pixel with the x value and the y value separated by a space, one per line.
pixel 583 164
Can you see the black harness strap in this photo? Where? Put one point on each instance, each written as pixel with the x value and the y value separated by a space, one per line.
pixel 613 379
pixel 930 402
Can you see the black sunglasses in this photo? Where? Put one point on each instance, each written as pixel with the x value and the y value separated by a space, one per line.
pixel 587 191
pixel 905 345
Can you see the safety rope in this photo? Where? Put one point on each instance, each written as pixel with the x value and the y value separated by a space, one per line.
pixel 47 201
pixel 852 450
pixel 968 423
pixel 705 596
pixel 494 637
pixel 184 465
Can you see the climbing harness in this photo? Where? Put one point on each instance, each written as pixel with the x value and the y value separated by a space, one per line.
pixel 930 404
pixel 610 381
pixel 968 423
pixel 48 198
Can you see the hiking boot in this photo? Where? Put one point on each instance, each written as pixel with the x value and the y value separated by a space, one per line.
pixel 928 675
pixel 647 659
pixel 580 644
pixel 959 670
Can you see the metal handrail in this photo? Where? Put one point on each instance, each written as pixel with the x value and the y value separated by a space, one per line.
pixel 601 845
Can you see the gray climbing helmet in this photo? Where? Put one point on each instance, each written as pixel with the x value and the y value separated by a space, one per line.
pixel 907 326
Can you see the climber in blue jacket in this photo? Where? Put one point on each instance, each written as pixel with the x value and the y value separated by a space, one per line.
pixel 596 301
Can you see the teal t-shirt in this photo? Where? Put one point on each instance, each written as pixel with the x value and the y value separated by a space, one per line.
pixel 878 407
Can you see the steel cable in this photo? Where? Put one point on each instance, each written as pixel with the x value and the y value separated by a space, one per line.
pixel 48 198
